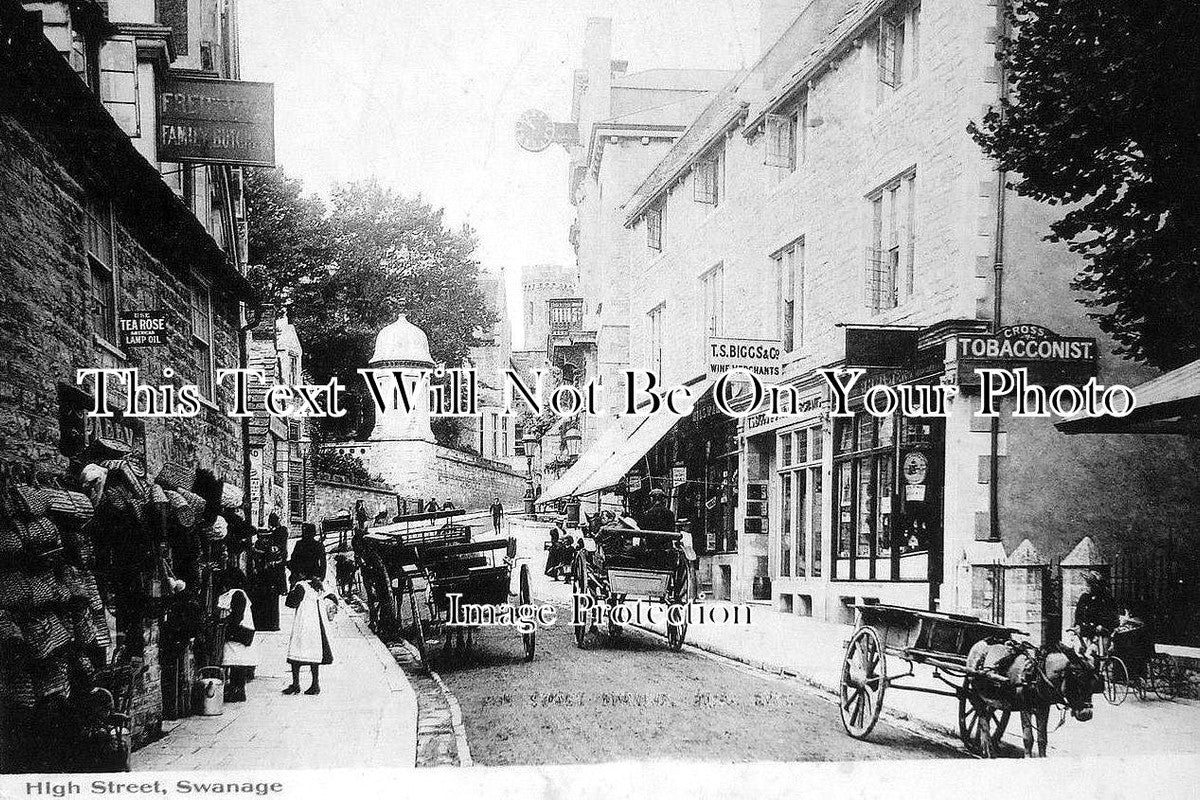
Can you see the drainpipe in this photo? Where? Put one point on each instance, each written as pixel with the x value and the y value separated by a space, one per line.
pixel 998 304
pixel 253 318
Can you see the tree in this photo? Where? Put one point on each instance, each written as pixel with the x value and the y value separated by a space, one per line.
pixel 1104 116
pixel 289 242
pixel 349 270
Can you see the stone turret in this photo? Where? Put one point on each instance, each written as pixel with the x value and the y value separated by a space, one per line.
pixel 402 347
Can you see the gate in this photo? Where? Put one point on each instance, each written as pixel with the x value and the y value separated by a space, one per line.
pixel 1161 585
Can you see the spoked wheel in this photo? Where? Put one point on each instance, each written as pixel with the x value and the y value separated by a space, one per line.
pixel 1116 680
pixel 980 724
pixel 864 679
pixel 418 628
pixel 614 628
pixel 525 598
pixel 1164 675
pixel 579 584
pixel 676 633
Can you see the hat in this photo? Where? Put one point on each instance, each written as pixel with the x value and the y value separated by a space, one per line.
pixel 656 492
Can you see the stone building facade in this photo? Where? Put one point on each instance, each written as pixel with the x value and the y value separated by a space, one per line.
pixel 831 200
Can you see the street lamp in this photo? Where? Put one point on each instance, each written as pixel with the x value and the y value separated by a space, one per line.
pixel 529 442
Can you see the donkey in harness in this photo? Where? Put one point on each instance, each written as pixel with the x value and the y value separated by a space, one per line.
pixel 1016 676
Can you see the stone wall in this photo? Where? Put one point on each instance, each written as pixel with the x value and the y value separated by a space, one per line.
pixel 332 498
pixel 475 482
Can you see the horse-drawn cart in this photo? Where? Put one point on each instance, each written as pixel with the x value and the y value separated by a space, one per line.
pixel 623 564
pixel 938 640
pixel 407 558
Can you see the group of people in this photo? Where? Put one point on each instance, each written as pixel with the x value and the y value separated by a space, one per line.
pixel 301 580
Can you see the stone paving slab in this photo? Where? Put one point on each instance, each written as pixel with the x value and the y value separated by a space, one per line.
pixel 364 717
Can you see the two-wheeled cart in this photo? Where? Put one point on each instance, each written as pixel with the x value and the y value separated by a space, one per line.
pixel 912 636
pixel 412 556
pixel 623 564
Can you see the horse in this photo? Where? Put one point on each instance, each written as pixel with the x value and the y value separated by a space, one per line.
pixel 1019 677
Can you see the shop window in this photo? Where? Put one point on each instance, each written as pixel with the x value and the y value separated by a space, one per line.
pixel 101 257
pixel 892 243
pixel 654 223
pixel 887 509
pixel 202 336
pixel 119 83
pixel 800 500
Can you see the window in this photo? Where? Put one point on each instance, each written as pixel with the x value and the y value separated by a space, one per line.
pixel 503 437
pixel 654 218
pixel 789 265
pixel 890 253
pixel 896 46
pixel 119 83
pixel 518 439
pixel 654 324
pixel 713 286
pixel 888 509
pixel 202 336
pixel 787 138
pixel 495 434
pixel 98 242
pixel 800 501
pixel 708 177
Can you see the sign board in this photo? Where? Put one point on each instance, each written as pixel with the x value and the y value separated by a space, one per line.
pixel 143 328
pixel 214 121
pixel 763 357
pixel 1031 346
pixel 678 475
pixel 805 407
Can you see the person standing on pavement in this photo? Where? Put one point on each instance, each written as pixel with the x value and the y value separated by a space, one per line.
pixel 308 556
pixel 237 617
pixel 497 515
pixel 432 505
pixel 268 580
pixel 657 517
pixel 309 643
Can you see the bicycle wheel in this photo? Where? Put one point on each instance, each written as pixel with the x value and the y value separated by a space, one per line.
pixel 1116 681
pixel 1164 675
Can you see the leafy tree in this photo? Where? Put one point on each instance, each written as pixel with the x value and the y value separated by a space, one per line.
pixel 373 254
pixel 1105 116
pixel 289 242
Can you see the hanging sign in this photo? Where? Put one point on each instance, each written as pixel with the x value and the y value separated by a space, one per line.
pixel 678 475
pixel 1025 343
pixel 214 121
pixel 762 357
pixel 143 328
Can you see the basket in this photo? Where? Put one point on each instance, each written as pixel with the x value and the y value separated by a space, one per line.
pixel 51 677
pixel 10 631
pixel 44 633
pixel 20 693
pixel 20 592
pixel 39 535
pixel 11 546
pixel 176 476
pixel 28 501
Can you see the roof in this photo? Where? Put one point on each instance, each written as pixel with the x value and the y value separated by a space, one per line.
pixel 857 14
pixel 1169 403
pixel 43 94
pixel 725 109
pixel 401 342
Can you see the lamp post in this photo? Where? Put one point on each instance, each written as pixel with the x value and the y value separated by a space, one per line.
pixel 530 443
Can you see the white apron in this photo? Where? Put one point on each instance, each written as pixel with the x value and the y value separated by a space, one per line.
pixel 237 654
pixel 309 642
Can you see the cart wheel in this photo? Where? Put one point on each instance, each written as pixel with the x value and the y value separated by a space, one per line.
pixel 418 628
pixel 980 725
pixel 864 679
pixel 579 585
pixel 1116 680
pixel 525 598
pixel 1165 675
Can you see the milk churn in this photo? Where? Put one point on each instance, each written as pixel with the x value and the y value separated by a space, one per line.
pixel 210 691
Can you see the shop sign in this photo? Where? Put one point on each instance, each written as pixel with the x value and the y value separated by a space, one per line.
pixel 806 406
pixel 143 328
pixel 1025 344
pixel 214 121
pixel 678 475
pixel 762 357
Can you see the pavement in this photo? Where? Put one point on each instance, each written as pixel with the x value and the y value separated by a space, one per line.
pixel 811 652
pixel 365 716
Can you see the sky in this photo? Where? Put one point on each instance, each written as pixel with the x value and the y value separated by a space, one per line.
pixel 424 96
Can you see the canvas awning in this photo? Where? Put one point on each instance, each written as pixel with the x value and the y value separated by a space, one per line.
pixel 1169 403
pixel 616 451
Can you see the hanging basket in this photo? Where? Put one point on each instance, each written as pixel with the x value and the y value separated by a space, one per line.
pixel 44 633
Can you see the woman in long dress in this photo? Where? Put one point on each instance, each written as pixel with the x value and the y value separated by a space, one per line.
pixel 240 655
pixel 309 643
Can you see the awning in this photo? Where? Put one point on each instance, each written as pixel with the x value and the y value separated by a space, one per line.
pixel 616 451
pixel 1169 403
